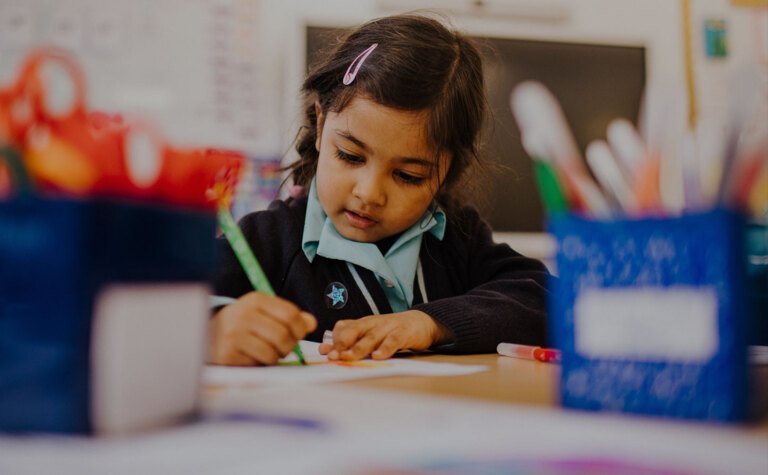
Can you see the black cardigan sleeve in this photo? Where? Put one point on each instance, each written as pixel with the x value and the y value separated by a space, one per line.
pixel 505 293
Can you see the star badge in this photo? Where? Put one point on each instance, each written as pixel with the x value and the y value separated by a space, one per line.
pixel 335 295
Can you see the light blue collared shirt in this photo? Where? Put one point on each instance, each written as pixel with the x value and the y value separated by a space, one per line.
pixel 395 270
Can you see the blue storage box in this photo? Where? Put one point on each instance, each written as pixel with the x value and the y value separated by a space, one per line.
pixel 650 315
pixel 144 270
pixel 757 275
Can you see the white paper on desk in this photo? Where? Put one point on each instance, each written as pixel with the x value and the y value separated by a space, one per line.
pixel 320 370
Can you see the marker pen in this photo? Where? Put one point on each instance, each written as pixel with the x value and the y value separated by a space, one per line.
pixel 627 145
pixel 546 174
pixel 546 355
pixel 538 113
pixel 609 174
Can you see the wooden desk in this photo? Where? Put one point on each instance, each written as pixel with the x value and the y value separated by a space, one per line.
pixel 504 413
pixel 508 380
pixel 517 381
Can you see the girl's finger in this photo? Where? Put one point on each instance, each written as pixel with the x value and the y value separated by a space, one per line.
pixel 363 347
pixel 388 347
pixel 298 322
pixel 258 349
pixel 229 355
pixel 324 348
pixel 273 332
pixel 310 323
pixel 347 332
pixel 270 304
pixel 238 358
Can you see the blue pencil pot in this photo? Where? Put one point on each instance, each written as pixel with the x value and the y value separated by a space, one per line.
pixel 652 316
pixel 103 310
pixel 757 274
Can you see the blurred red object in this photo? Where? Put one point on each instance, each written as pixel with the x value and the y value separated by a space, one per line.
pixel 90 153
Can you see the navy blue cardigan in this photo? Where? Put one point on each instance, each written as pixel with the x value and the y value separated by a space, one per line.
pixel 484 292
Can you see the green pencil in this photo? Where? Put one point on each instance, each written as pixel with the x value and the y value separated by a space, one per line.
pixel 246 258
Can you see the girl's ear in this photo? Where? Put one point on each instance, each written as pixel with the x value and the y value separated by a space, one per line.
pixel 320 123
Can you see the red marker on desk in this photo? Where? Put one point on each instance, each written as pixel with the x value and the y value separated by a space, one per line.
pixel 546 355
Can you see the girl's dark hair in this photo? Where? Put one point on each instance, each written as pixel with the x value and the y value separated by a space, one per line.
pixel 418 65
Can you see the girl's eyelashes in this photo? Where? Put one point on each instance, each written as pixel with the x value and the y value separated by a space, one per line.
pixel 400 175
pixel 348 157
pixel 409 179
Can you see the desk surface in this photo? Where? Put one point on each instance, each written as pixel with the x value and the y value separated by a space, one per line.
pixel 512 381
pixel 507 413
pixel 508 380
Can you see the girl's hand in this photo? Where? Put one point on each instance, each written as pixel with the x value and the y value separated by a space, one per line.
pixel 257 329
pixel 382 335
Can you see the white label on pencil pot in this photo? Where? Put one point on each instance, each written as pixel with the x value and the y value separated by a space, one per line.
pixel 149 343
pixel 671 324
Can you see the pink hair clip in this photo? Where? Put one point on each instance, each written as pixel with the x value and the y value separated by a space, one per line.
pixel 356 63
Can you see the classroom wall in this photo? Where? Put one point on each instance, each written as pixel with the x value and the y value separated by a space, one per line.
pixel 546 20
pixel 225 73
pixel 657 24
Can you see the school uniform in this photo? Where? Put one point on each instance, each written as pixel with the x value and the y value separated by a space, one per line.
pixel 484 292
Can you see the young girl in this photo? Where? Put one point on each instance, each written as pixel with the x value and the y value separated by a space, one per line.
pixel 378 250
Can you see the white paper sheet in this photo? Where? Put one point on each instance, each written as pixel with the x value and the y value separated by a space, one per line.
pixel 320 370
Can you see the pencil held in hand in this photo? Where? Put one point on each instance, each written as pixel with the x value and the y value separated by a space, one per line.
pixel 248 261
